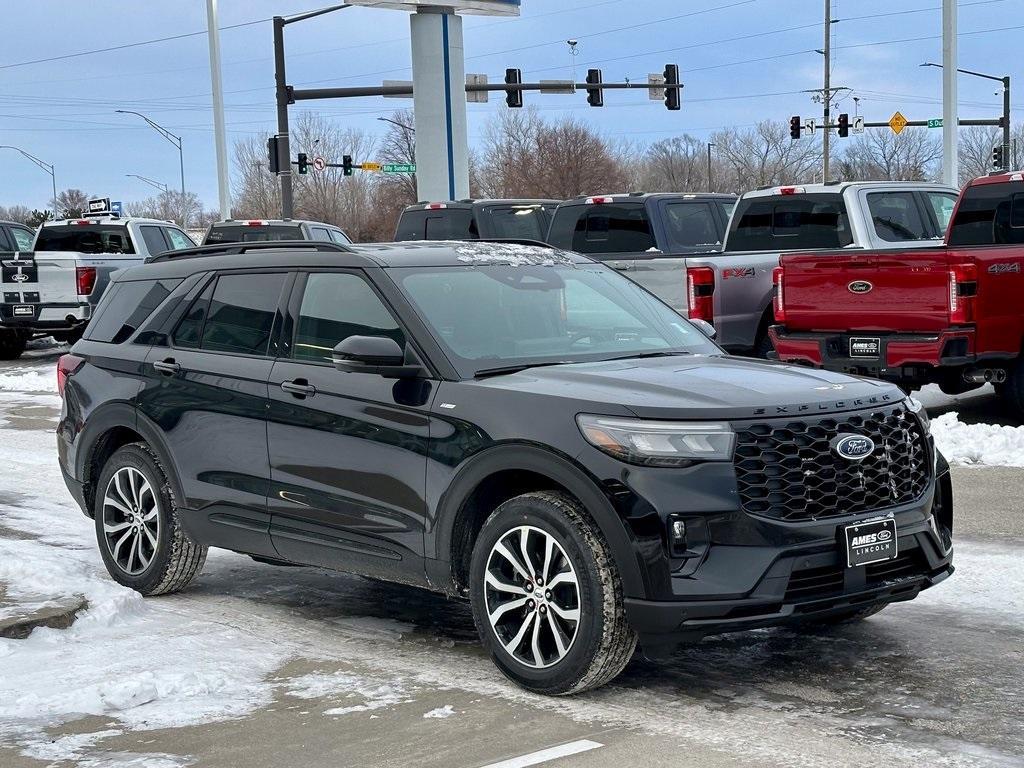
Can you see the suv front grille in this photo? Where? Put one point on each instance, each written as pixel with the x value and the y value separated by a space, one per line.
pixel 787 469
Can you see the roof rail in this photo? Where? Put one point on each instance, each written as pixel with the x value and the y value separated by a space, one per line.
pixel 228 249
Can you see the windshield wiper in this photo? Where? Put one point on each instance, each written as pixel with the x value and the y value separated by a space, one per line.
pixel 641 355
pixel 507 369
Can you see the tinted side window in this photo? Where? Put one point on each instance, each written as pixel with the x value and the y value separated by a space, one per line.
pixel 319 233
pixel 190 328
pixel 154 237
pixel 340 237
pixel 335 306
pixel 125 307
pixel 989 214
pixel 896 217
pixel 241 314
pixel 790 222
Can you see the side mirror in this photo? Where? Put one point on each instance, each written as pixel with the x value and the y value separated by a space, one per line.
pixel 706 328
pixel 374 354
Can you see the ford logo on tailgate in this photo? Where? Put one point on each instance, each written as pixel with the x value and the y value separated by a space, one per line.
pixel 860 286
pixel 853 447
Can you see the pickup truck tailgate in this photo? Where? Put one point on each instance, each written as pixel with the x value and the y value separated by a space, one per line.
pixel 878 291
pixel 30 279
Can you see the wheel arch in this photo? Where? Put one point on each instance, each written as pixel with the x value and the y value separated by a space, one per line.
pixel 108 429
pixel 501 473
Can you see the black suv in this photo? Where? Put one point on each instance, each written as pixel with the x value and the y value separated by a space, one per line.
pixel 519 426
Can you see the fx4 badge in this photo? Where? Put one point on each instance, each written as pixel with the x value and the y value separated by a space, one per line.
pixel 738 272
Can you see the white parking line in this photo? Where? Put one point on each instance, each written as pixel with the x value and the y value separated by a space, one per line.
pixel 544 755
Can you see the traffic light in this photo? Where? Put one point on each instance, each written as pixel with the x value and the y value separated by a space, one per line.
pixel 303 163
pixel 844 125
pixel 595 96
pixel 346 165
pixel 997 157
pixel 794 127
pixel 514 96
pixel 273 153
pixel 673 94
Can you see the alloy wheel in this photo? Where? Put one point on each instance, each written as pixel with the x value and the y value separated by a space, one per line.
pixel 532 596
pixel 131 520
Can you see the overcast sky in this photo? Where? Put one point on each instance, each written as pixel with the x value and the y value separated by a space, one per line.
pixel 742 61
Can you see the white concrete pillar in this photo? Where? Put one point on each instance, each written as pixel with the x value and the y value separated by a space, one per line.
pixel 439 84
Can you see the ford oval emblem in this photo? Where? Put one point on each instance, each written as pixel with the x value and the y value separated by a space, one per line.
pixel 884 535
pixel 860 286
pixel 853 447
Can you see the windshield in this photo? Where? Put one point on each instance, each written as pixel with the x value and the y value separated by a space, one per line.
pixel 500 316
pixel 85 238
pixel 256 233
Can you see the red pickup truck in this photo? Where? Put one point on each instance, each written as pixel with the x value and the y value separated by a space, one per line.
pixel 951 315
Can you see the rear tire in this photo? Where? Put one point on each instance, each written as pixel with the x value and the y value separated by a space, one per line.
pixel 1012 391
pixel 137 527
pixel 12 344
pixel 565 637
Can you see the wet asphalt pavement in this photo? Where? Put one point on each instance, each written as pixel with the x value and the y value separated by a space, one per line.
pixel 939 681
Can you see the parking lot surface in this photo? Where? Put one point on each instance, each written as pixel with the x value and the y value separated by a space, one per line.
pixel 262 666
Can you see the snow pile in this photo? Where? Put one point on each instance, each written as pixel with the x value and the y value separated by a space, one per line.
pixel 28 380
pixel 978 444
pixel 441 713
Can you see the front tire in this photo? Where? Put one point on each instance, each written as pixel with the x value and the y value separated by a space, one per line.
pixel 137 527
pixel 547 597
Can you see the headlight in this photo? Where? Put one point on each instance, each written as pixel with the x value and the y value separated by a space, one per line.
pixel 917 408
pixel 659 443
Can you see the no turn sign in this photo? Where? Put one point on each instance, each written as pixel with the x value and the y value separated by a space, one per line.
pixel 319 164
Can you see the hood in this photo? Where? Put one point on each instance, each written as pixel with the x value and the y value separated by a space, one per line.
pixel 701 387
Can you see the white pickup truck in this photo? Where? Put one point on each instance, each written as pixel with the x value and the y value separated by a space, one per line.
pixel 52 289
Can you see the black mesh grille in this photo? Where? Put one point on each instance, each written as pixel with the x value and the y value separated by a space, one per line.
pixel 786 469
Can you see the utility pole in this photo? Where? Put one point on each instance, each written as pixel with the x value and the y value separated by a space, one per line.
pixel 827 92
pixel 710 146
pixel 950 113
pixel 213 34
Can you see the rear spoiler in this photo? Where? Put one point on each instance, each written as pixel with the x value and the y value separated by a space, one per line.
pixel 228 249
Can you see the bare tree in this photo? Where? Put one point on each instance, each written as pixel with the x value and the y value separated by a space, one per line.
pixel 525 156
pixel 680 164
pixel 257 193
pixel 766 155
pixel 70 203
pixel 880 154
pixel 20 214
pixel 168 206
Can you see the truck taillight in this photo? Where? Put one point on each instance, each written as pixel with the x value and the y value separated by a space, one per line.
pixel 700 287
pixel 780 306
pixel 963 286
pixel 85 279
pixel 66 366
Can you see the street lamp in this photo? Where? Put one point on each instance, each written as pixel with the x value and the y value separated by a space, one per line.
pixel 403 126
pixel 176 141
pixel 711 145
pixel 162 187
pixel 1006 106
pixel 45 166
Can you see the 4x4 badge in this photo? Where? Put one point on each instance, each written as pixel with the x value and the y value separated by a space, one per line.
pixel 860 286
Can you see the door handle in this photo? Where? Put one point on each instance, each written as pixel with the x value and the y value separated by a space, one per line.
pixel 167 366
pixel 299 388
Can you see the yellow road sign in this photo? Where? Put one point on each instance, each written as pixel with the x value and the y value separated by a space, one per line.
pixel 371 167
pixel 897 122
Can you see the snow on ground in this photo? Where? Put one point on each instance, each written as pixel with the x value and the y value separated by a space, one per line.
pixel 978 444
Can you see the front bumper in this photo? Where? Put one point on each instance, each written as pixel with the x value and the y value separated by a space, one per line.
pixel 901 356
pixel 798 588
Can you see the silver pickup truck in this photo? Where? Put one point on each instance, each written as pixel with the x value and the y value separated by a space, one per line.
pixel 731 285
pixel 52 289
